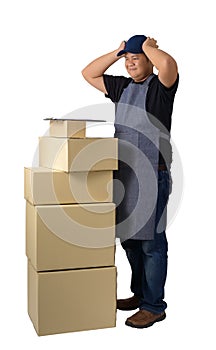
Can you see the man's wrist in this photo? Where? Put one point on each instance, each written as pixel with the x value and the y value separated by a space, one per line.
pixel 115 52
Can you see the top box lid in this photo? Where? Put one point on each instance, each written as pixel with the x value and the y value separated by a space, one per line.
pixel 76 119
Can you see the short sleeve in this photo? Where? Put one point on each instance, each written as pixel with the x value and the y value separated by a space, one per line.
pixel 171 91
pixel 160 101
pixel 115 86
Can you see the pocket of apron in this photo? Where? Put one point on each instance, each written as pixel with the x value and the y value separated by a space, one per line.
pixel 148 144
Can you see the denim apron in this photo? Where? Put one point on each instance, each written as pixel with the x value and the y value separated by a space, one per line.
pixel 136 180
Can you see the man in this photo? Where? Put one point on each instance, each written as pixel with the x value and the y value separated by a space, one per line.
pixel 144 104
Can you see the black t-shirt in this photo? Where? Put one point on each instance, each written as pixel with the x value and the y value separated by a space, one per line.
pixel 159 99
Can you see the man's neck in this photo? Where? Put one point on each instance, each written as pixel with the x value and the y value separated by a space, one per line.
pixel 142 79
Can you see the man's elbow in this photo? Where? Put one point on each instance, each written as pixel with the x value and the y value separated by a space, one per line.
pixel 87 75
pixel 168 72
pixel 170 65
pixel 84 73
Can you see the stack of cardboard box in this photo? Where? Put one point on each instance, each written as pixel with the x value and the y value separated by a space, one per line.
pixel 70 231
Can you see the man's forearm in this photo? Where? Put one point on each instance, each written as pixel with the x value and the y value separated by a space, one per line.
pixel 94 71
pixel 97 67
pixel 164 63
pixel 158 57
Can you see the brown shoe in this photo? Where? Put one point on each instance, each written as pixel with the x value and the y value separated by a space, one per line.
pixel 144 319
pixel 128 304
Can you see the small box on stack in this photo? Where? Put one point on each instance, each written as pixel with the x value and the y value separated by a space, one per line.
pixel 70 231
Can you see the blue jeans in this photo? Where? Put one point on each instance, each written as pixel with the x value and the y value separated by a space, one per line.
pixel 148 258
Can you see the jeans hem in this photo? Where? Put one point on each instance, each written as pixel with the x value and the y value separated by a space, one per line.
pixel 154 311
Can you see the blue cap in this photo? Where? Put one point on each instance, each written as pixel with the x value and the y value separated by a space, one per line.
pixel 133 45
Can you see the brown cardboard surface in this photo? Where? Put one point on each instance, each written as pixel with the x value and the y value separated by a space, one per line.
pixel 70 236
pixel 67 128
pixel 72 300
pixel 68 154
pixel 47 186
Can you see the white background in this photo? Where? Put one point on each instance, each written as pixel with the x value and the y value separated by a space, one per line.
pixel 44 46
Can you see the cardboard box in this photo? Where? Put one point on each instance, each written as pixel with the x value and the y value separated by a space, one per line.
pixel 67 128
pixel 47 186
pixel 73 128
pixel 72 300
pixel 70 236
pixel 89 154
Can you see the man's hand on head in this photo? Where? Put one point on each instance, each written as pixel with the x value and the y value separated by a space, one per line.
pixel 121 47
pixel 149 42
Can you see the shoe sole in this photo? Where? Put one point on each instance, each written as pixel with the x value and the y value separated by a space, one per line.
pixel 130 324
